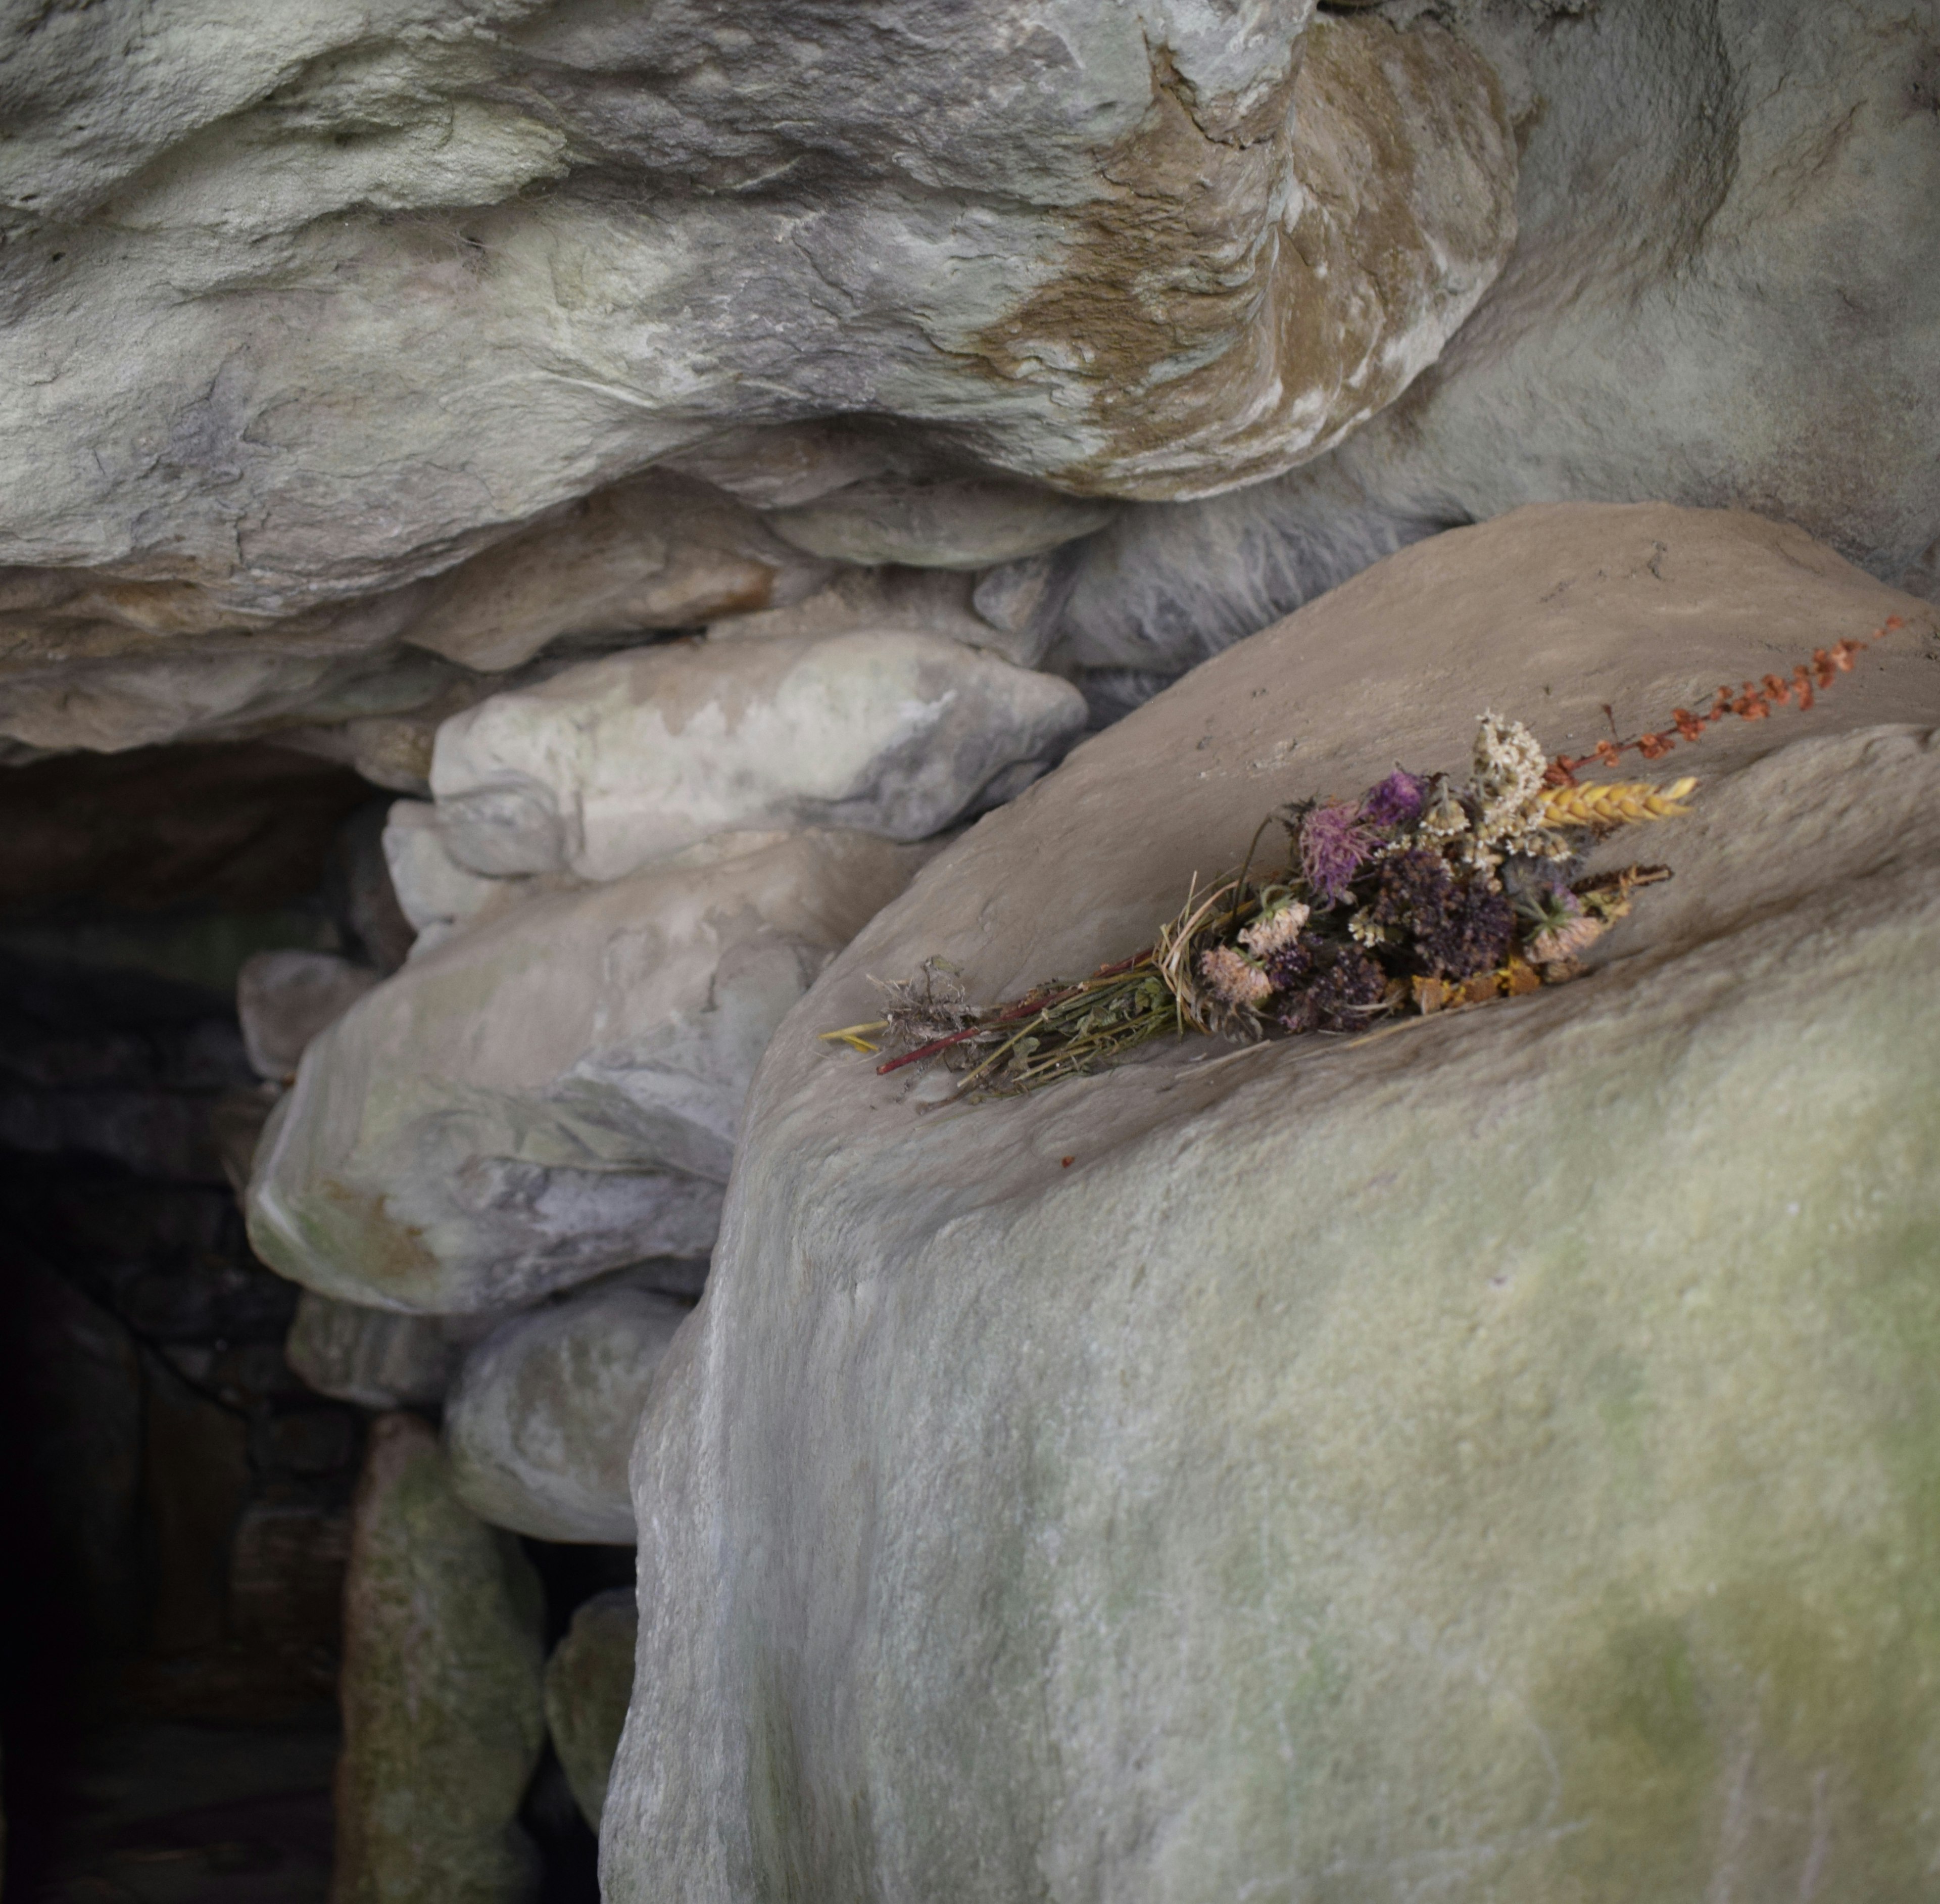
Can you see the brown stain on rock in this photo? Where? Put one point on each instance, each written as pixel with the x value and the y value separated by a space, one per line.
pixel 1234 305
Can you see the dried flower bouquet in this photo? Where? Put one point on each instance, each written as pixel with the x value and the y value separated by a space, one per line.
pixel 1420 896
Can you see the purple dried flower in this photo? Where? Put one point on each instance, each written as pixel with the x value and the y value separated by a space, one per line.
pixel 1342 998
pixel 1332 845
pixel 1395 800
pixel 1289 964
pixel 1474 935
pixel 1416 891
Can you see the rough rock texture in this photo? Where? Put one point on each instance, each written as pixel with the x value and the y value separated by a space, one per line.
pixel 283 999
pixel 1492 1460
pixel 588 1681
pixel 374 1357
pixel 1722 293
pixel 973 523
pixel 610 765
pixel 304 315
pixel 540 1422
pixel 555 1091
pixel 663 551
pixel 1168 584
pixel 442 1690
pixel 436 894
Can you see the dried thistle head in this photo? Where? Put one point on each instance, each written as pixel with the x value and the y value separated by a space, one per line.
pixel 1394 801
pixel 930 1005
pixel 1333 843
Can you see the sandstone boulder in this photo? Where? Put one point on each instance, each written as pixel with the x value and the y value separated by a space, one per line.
pixel 305 312
pixel 443 1719
pixel 1492 1458
pixel 662 551
pixel 375 1358
pixel 436 894
pixel 540 1423
pixel 285 999
pixel 608 766
pixel 964 523
pixel 1721 292
pixel 554 1092
pixel 588 1681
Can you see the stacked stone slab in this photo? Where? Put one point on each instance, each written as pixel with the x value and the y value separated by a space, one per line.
pixel 443 1721
pixel 514 345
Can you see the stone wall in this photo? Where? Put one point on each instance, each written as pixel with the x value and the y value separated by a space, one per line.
pixel 551 542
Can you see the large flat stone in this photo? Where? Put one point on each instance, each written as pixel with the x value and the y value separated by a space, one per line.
pixel 305 315
pixel 555 1091
pixel 1492 1459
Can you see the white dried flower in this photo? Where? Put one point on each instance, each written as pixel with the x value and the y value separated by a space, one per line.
pixel 1273 932
pixel 1509 767
pixel 1362 929
pixel 1445 818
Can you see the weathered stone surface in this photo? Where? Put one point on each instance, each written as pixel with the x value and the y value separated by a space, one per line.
pixel 928 601
pixel 374 1357
pixel 1011 609
pixel 963 523
pixel 663 551
pixel 555 1091
pixel 99 664
pixel 436 894
pixel 283 999
pixel 1168 584
pixel 443 1719
pixel 588 1681
pixel 540 1422
pixel 404 287
pixel 1492 1458
pixel 611 765
pixel 1722 293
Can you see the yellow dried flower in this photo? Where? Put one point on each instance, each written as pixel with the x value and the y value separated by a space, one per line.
pixel 1616 804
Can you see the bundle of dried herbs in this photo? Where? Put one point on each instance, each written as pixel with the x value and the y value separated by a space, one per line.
pixel 1420 896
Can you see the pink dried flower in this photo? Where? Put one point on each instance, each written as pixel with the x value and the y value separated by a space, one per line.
pixel 1231 978
pixel 1565 941
pixel 1272 931
pixel 1395 800
pixel 1332 844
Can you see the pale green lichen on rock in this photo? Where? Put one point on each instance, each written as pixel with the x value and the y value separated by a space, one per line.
pixel 442 1718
